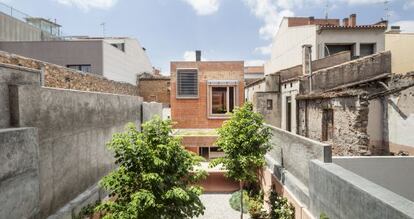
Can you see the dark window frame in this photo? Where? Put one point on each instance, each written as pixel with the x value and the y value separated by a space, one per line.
pixel 180 93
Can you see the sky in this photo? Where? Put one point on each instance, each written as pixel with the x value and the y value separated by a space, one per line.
pixel 221 29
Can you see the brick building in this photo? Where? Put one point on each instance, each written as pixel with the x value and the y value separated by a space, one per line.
pixel 202 95
pixel 154 88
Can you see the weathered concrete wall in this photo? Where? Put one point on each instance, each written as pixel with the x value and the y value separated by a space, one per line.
pixel 340 193
pixel 74 127
pixel 294 152
pixel 393 173
pixel 348 72
pixel 13 75
pixel 350 121
pixel 19 173
pixel 149 110
pixel 271 115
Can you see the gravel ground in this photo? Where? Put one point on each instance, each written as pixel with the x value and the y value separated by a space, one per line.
pixel 218 207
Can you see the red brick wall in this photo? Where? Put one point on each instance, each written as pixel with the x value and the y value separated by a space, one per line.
pixel 157 90
pixel 192 113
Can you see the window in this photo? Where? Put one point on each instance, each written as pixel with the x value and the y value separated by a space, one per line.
pixel 269 104
pixel 366 49
pixel 327 124
pixel 120 46
pixel 187 83
pixel 222 100
pixel 84 68
pixel 331 49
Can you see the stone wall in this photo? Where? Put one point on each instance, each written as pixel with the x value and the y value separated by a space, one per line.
pixel 270 113
pixel 61 77
pixel 350 122
pixel 155 89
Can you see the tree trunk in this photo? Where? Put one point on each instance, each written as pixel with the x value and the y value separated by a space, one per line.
pixel 241 200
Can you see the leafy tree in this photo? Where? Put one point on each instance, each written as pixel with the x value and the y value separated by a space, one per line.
pixel 244 140
pixel 155 176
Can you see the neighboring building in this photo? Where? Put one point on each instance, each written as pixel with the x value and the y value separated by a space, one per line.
pixel 119 59
pixel 202 95
pixel 18 26
pixel 257 85
pixel 253 72
pixel 326 37
pixel 400 45
pixel 154 88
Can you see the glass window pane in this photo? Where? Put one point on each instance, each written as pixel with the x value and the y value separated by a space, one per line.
pixel 231 99
pixel 219 100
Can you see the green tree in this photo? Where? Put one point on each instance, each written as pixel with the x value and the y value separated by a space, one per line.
pixel 244 139
pixel 155 178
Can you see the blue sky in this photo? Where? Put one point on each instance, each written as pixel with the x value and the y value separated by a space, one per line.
pixel 222 29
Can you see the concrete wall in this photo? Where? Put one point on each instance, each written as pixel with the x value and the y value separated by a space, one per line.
pixel 271 116
pixel 125 65
pixel 392 173
pixel 19 173
pixel 349 72
pixel 151 109
pixel 294 152
pixel 400 46
pixel 340 193
pixel 61 52
pixel 13 75
pixel 12 29
pixel 74 127
pixel 347 36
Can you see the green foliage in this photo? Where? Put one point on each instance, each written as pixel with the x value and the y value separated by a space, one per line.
pixel 88 210
pixel 244 140
pixel 280 207
pixel 155 176
pixel 323 216
pixel 256 209
pixel 235 201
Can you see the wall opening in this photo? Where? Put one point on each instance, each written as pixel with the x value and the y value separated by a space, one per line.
pixel 327 124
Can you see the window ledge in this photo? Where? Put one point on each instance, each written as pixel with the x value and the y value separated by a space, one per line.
pixel 219 117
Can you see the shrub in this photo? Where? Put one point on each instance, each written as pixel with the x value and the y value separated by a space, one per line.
pixel 280 207
pixel 235 201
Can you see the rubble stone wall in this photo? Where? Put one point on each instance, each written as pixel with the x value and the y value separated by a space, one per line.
pixel 61 77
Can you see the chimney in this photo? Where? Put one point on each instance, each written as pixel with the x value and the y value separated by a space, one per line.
pixel 345 22
pixel 311 20
pixel 198 55
pixel 352 20
pixel 307 63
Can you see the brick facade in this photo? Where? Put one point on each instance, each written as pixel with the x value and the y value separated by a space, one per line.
pixel 155 89
pixel 192 113
pixel 62 77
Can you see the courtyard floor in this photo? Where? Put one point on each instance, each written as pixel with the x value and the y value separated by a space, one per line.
pixel 218 207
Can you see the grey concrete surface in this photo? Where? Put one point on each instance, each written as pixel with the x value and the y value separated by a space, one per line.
pixel 218 207
pixel 14 75
pixel 74 127
pixel 150 109
pixel 342 194
pixel 294 152
pixel 393 173
pixel 19 173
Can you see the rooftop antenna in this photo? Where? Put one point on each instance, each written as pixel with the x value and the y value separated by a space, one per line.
pixel 326 9
pixel 103 24
pixel 387 9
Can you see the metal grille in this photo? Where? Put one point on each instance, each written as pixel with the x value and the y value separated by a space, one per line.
pixel 187 83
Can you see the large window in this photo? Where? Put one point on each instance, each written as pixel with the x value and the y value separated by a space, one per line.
pixel 84 68
pixel 187 83
pixel 222 100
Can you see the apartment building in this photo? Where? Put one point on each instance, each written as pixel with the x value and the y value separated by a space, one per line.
pixel 116 58
pixel 326 37
pixel 203 93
